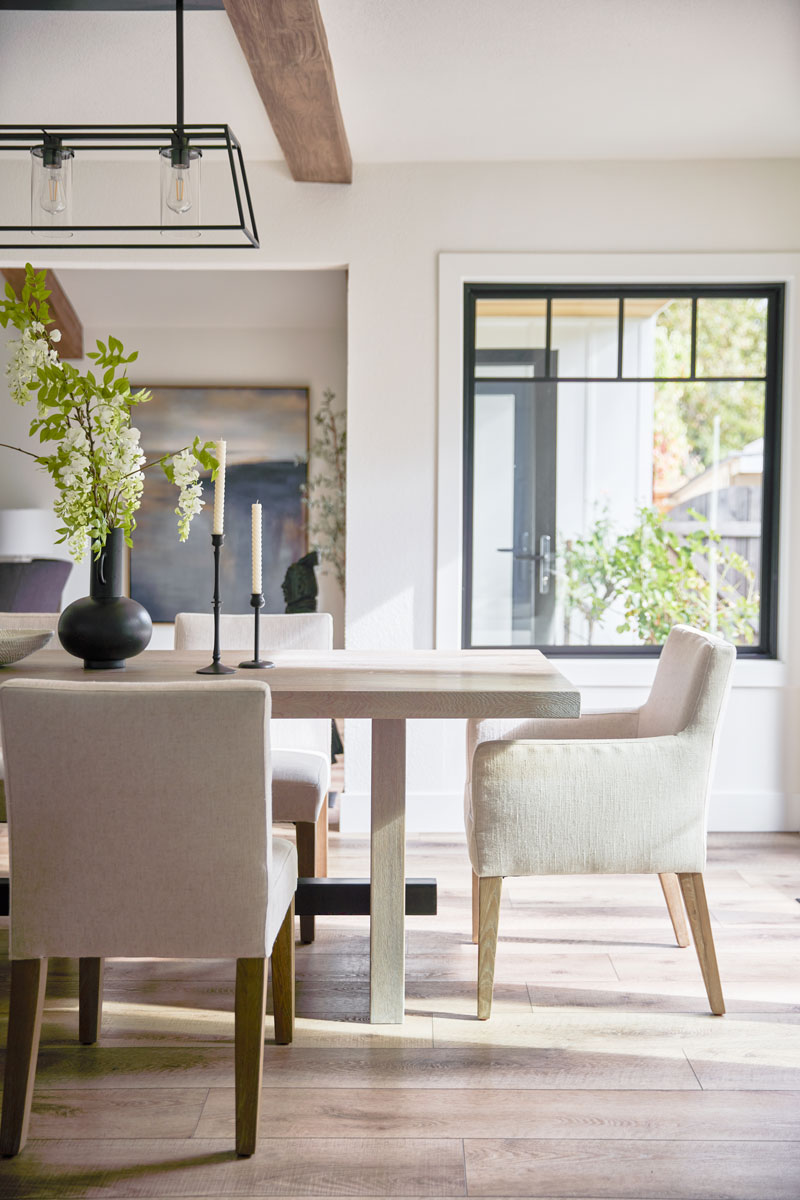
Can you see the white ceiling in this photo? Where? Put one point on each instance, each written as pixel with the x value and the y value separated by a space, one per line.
pixel 448 80
pixel 208 299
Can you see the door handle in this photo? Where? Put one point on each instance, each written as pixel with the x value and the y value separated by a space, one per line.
pixel 544 564
pixel 543 554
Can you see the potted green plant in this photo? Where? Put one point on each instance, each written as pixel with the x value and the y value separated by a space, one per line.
pixel 92 453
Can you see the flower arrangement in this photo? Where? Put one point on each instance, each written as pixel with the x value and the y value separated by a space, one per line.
pixel 325 496
pixel 96 463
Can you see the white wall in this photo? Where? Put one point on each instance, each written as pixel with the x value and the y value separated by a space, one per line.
pixel 389 229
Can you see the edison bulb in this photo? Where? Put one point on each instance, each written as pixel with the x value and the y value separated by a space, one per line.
pixel 179 189
pixel 52 190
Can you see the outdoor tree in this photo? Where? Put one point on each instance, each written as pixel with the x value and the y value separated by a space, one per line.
pixel 654 578
pixel 731 340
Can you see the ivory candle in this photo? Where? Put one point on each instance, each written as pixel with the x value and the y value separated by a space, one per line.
pixel 219 491
pixel 256 541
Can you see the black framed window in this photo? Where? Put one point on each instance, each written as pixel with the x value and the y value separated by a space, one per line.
pixel 621 465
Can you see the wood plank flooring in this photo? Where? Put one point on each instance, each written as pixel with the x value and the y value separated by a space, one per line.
pixel 601 1074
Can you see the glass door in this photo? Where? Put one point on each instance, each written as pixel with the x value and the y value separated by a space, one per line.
pixel 510 597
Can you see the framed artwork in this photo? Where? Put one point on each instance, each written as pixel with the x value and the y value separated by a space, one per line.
pixel 266 430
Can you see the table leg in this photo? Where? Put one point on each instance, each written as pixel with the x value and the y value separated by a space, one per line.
pixel 388 871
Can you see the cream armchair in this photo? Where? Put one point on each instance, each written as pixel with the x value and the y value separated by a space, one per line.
pixel 140 826
pixel 301 749
pixel 609 793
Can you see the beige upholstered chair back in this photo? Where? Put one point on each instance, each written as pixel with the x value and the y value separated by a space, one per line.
pixel 278 631
pixel 17 620
pixel 140 819
pixel 691 685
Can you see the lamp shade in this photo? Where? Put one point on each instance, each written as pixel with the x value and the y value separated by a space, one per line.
pixel 29 533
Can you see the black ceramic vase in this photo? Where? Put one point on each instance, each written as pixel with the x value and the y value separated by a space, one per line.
pixel 105 627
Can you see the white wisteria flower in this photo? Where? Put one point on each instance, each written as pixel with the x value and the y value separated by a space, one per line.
pixel 95 456
pixel 30 353
pixel 186 475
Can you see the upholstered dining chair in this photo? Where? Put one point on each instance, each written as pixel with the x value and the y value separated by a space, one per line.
pixel 608 793
pixel 301 749
pixel 140 826
pixel 17 620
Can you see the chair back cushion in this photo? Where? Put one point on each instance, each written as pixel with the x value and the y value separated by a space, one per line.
pixel 139 818
pixel 277 631
pixel 691 685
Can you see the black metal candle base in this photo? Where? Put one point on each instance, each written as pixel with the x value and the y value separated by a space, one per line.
pixel 216 667
pixel 256 663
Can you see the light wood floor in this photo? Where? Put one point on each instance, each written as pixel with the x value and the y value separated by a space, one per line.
pixel 600 1074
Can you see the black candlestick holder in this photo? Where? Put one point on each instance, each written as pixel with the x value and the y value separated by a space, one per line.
pixel 216 667
pixel 257 601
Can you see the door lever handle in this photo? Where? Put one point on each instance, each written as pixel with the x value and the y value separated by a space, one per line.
pixel 544 564
pixel 518 554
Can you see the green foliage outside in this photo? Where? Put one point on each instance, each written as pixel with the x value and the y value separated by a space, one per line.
pixel 652 576
pixel 731 340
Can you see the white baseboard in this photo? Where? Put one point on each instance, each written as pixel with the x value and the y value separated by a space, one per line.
pixel 754 812
pixel 443 812
pixel 426 812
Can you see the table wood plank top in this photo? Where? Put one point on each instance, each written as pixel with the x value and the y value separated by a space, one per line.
pixel 354 683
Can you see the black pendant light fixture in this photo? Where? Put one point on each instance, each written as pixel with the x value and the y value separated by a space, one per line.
pixel 55 212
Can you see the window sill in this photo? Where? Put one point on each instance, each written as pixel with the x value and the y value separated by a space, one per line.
pixel 639 672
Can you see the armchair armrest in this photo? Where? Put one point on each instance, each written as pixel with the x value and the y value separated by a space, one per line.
pixel 594 806
pixel 622 723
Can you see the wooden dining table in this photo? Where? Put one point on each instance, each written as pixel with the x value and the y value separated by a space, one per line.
pixel 388 687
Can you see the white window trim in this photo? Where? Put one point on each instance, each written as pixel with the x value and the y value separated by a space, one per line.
pixel 457 269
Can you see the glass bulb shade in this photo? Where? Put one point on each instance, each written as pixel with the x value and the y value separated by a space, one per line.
pixel 180 192
pixel 51 190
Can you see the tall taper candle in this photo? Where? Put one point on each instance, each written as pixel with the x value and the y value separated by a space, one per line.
pixel 256 540
pixel 219 491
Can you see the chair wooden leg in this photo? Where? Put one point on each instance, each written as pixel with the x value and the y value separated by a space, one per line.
pixel 677 914
pixel 312 859
pixel 694 894
pixel 489 891
pixel 251 991
pixel 90 999
pixel 28 979
pixel 283 979
pixel 321 843
pixel 475 908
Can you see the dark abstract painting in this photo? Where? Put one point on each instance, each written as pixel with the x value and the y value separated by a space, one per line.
pixel 266 430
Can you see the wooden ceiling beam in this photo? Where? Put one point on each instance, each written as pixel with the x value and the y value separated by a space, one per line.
pixel 286 48
pixel 62 313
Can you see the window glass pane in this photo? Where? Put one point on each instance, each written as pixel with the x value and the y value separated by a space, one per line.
pixel 658 337
pixel 493 519
pixel 637 555
pixel 731 336
pixel 584 336
pixel 604 510
pixel 508 324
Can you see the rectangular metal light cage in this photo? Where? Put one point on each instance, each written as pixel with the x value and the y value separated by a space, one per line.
pixel 218 141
